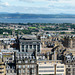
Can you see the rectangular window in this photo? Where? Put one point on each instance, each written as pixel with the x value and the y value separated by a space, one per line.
pixel 34 47
pixel 30 46
pixel 60 66
pixel 46 67
pixel 32 66
pixel 23 48
pixel 19 66
pixel 60 70
pixel 38 48
pixel 28 70
pixel 28 66
pixel 26 46
pixel 19 71
pixel 32 70
pixel 46 70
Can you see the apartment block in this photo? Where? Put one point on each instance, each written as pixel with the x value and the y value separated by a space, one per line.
pixel 26 67
pixel 51 67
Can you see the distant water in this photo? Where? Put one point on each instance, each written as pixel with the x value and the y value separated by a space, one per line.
pixel 39 20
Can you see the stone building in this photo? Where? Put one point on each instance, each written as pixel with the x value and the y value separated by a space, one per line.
pixel 11 69
pixel 51 67
pixel 70 64
pixel 26 67
pixel 2 68
pixel 8 57
pixel 70 69
pixel 69 42
pixel 29 45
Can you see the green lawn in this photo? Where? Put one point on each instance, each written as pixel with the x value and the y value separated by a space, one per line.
pixel 32 27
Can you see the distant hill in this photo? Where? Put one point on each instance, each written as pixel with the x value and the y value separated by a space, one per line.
pixel 33 16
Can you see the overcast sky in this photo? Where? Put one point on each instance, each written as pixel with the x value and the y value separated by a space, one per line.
pixel 38 6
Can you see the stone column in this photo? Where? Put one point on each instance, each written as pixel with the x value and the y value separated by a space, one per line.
pixel 20 48
pixel 24 48
pixel 55 55
pixel 36 51
pixel 40 47
pixel 32 48
pixel 28 48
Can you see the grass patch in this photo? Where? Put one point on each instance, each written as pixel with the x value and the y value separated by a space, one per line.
pixel 32 27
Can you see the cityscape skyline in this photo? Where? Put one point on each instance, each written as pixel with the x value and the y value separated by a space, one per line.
pixel 37 37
